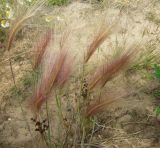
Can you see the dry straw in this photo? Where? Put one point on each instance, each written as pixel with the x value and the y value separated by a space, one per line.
pixel 20 20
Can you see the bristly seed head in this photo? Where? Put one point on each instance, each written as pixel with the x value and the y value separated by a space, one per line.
pixel 107 71
pixel 56 70
pixel 41 47
pixel 98 39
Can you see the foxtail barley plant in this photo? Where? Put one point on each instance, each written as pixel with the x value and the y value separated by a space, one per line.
pixel 23 15
pixel 56 68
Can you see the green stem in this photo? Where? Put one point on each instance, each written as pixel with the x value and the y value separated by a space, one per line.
pixel 93 128
pixel 83 135
pixel 44 139
pixel 49 129
pixel 60 116
pixel 12 73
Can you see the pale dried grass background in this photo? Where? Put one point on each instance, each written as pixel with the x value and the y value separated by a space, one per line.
pixel 130 28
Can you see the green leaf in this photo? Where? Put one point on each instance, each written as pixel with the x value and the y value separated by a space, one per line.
pixel 157 93
pixel 157 71
pixel 57 2
pixel 157 111
pixel 58 146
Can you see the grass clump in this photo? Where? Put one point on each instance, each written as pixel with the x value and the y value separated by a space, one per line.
pixel 57 2
pixel 157 92
pixel 153 17
pixel 57 68
pixel 23 90
pixel 15 92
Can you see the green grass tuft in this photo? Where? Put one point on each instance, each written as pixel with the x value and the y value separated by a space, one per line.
pixel 57 2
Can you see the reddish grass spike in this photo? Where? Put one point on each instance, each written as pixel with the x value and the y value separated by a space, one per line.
pixel 14 30
pixel 97 107
pixel 56 74
pixel 1 45
pixel 41 47
pixel 56 69
pixel 99 38
pixel 107 71
pixel 20 20
pixel 37 103
pixel 38 98
pixel 63 40
pixel 65 71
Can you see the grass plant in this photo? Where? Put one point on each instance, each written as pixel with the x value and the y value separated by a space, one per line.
pixel 26 14
pixel 56 68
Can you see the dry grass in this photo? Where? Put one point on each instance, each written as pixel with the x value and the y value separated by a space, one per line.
pixel 55 70
pixel 99 106
pixel 23 15
pixel 20 20
pixel 98 39
pixel 41 47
